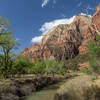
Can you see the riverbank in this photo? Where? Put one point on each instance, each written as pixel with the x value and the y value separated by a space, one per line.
pixel 47 93
pixel 17 88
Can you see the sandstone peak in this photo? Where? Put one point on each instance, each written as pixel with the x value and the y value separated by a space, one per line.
pixel 96 19
pixel 66 41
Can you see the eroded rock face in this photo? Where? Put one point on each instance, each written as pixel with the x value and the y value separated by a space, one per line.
pixel 33 52
pixel 96 18
pixel 66 41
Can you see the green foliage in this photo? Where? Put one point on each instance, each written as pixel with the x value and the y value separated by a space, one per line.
pixel 38 67
pixel 94 49
pixel 61 68
pixel 94 55
pixel 87 71
pixel 21 66
pixel 7 45
pixel 51 66
pixel 72 64
pixel 57 67
pixel 95 66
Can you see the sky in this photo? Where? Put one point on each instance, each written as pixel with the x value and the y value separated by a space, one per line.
pixel 31 19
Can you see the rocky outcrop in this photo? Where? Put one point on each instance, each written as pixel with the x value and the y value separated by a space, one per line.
pixel 66 41
pixel 84 65
pixel 96 19
pixel 32 52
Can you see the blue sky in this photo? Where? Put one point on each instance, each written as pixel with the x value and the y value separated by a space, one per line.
pixel 31 18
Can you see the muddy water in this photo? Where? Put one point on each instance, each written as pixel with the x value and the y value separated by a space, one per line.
pixel 45 94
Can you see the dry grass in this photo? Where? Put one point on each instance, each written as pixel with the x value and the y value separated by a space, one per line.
pixel 80 88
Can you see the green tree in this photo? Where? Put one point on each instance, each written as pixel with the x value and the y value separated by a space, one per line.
pixel 38 67
pixel 22 65
pixel 7 45
pixel 54 67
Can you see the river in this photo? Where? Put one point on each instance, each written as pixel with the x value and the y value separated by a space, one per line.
pixel 45 94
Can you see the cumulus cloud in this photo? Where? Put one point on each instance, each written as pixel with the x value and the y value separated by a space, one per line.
pixel 44 3
pixel 36 39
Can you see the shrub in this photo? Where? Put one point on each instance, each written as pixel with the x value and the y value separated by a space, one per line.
pixel 85 70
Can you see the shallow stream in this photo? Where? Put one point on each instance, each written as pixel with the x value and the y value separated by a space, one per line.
pixel 45 94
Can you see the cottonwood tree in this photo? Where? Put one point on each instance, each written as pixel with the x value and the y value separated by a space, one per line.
pixel 7 44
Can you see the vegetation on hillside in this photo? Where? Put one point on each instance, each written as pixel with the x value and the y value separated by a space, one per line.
pixel 94 54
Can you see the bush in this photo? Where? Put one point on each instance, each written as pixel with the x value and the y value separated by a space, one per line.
pixel 94 66
pixel 72 64
pixel 85 70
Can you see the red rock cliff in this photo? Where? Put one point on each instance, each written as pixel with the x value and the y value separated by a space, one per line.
pixel 96 19
pixel 66 41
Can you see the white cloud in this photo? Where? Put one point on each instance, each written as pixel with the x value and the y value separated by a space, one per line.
pixel 86 15
pixel 80 3
pixel 36 39
pixel 44 3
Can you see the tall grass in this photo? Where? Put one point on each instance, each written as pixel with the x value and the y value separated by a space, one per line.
pixel 80 88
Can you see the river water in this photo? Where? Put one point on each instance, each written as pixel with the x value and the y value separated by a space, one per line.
pixel 45 94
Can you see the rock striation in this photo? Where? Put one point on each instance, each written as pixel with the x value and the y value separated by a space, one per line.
pixel 66 41
pixel 96 19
